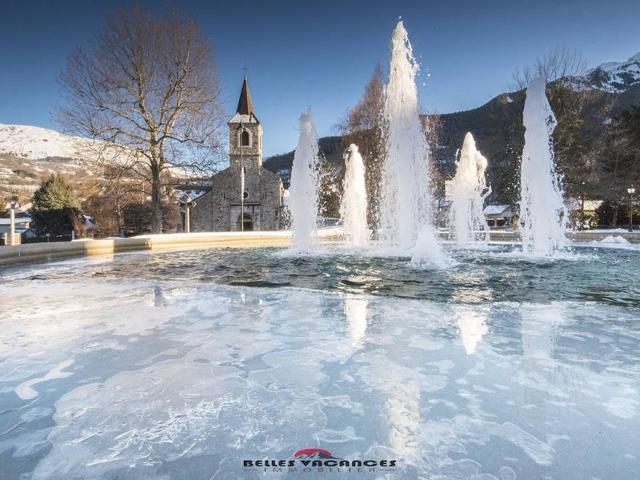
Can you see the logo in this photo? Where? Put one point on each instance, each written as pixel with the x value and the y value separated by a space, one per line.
pixel 313 453
pixel 319 460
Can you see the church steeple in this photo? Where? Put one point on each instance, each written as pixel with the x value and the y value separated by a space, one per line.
pixel 245 102
pixel 245 132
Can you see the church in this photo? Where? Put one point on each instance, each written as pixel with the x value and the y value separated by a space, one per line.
pixel 245 196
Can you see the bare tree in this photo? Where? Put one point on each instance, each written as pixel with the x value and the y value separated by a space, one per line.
pixel 147 87
pixel 559 64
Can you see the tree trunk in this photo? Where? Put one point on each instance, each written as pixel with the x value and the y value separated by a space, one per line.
pixel 156 201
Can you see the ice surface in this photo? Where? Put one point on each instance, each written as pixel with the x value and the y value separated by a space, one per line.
pixel 183 378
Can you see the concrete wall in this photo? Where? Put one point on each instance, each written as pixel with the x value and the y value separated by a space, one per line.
pixel 46 252
pixel 582 236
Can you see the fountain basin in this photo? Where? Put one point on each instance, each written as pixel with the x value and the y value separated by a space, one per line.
pixel 166 364
pixel 43 252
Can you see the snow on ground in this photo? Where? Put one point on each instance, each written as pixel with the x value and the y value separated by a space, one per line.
pixel 614 239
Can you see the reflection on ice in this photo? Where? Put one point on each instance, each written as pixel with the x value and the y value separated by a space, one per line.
pixel 403 411
pixel 183 379
pixel 472 322
pixel 355 309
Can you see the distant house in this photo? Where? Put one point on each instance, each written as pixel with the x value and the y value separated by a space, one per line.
pixel 498 216
pixel 587 206
pixel 22 224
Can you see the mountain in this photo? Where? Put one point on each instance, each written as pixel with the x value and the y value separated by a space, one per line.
pixel 29 154
pixel 330 147
pixel 612 77
pixel 499 133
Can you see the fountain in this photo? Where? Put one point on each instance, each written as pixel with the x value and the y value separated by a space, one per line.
pixel 543 215
pixel 468 191
pixel 405 203
pixel 303 193
pixel 353 208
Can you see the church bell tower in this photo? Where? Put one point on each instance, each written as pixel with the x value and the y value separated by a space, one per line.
pixel 245 133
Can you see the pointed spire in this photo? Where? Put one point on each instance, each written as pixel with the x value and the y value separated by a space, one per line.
pixel 245 103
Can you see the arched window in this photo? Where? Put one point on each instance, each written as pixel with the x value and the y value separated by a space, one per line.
pixel 245 139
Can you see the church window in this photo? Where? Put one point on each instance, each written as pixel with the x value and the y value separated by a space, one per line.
pixel 245 139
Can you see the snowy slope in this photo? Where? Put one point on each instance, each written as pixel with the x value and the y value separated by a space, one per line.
pixel 29 154
pixel 35 143
pixel 612 77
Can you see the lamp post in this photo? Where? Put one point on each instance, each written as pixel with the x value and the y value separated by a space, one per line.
pixel 12 206
pixel 187 217
pixel 631 191
pixel 240 143
pixel 187 202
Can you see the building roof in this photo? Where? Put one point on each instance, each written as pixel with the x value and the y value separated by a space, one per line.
pixel 592 205
pixel 18 220
pixel 495 209
pixel 245 112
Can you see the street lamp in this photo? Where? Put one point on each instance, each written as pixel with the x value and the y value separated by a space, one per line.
pixel 631 191
pixel 12 206
pixel 241 129
pixel 186 202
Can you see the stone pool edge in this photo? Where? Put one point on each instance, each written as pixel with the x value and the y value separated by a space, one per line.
pixel 47 252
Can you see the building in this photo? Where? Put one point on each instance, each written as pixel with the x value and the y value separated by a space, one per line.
pixel 21 223
pixel 261 198
pixel 498 216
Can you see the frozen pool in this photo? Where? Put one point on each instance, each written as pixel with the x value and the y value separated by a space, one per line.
pixel 185 364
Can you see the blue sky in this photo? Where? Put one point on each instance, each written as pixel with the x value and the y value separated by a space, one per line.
pixel 321 53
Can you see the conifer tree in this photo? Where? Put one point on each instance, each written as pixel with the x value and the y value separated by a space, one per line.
pixel 56 208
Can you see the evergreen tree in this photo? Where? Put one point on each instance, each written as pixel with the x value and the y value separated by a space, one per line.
pixel 620 162
pixel 56 208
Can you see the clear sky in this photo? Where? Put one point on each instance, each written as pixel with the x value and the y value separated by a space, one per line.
pixel 321 53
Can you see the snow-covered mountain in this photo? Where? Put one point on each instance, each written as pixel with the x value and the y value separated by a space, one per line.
pixel 36 143
pixel 29 154
pixel 612 77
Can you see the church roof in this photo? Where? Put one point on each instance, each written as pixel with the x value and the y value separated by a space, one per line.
pixel 245 113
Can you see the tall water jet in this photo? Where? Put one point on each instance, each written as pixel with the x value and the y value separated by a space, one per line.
pixel 468 191
pixel 543 215
pixel 405 201
pixel 353 208
pixel 303 193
